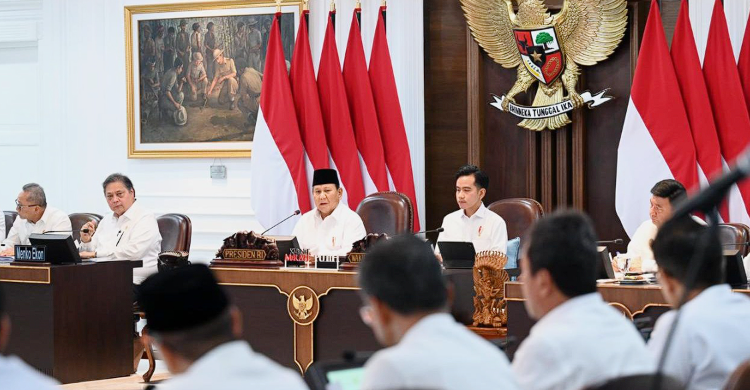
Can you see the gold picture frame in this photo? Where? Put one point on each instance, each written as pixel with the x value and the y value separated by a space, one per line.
pixel 219 128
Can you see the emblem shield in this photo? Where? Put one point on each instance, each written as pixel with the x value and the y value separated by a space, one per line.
pixel 541 53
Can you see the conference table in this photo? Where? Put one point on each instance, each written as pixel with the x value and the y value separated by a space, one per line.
pixel 298 316
pixel 72 322
pixel 644 302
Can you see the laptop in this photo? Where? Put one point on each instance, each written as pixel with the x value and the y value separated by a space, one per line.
pixel 604 268
pixel 336 374
pixel 457 254
pixel 60 247
pixel 285 244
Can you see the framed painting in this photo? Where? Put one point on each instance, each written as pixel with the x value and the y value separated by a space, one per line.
pixel 194 75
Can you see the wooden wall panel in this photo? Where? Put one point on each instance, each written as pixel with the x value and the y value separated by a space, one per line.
pixel 445 105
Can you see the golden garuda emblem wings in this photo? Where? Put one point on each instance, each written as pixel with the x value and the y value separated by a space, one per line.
pixel 547 49
pixel 302 306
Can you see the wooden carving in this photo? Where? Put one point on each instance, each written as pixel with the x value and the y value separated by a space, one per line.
pixel 489 289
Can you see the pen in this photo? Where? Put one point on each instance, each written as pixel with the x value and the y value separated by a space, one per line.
pixel 119 234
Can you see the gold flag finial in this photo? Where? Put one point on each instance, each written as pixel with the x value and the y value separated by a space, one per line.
pixel 306 6
pixel 278 5
pixel 333 5
pixel 358 5
pixel 383 3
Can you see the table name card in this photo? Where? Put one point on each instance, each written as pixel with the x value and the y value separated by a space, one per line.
pixel 327 262
pixel 244 254
pixel 36 253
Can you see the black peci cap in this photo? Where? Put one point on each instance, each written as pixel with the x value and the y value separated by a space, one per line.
pixel 325 176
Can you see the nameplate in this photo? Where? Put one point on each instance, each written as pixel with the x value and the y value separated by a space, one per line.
pixel 36 253
pixel 298 258
pixel 355 257
pixel 244 254
pixel 327 262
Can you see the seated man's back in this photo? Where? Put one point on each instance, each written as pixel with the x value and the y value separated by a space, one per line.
pixel 580 343
pixel 439 353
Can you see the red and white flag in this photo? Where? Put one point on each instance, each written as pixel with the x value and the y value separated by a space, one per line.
pixel 728 103
pixel 687 67
pixel 656 143
pixel 307 103
pixel 392 129
pixel 362 109
pixel 277 169
pixel 744 64
pixel 337 120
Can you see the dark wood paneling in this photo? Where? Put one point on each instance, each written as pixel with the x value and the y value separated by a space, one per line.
pixel 445 105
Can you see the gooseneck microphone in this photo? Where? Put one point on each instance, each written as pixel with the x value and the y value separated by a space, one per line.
pixel 438 230
pixel 296 212
pixel 616 241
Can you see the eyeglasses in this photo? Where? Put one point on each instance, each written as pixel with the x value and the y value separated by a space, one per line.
pixel 367 315
pixel 20 206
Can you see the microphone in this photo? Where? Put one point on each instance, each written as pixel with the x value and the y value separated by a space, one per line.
pixel 438 230
pixel 616 241
pixel 296 212
pixel 709 198
pixel 746 243
pixel 65 231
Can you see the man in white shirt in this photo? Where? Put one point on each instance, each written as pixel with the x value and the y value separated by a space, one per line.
pixel 14 373
pixel 130 232
pixel 579 340
pixel 712 337
pixel 473 222
pixel 331 227
pixel 34 216
pixel 664 195
pixel 197 330
pixel 405 303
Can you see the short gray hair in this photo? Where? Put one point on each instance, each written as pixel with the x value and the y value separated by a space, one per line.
pixel 36 194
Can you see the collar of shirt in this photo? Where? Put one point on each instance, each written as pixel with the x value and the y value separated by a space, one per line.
pixel 480 213
pixel 553 317
pixel 711 295
pixel 336 214
pixel 423 326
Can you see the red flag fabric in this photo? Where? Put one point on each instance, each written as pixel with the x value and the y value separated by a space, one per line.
pixel 687 67
pixel 656 143
pixel 390 118
pixel 337 120
pixel 744 64
pixel 278 159
pixel 306 100
pixel 362 108
pixel 728 102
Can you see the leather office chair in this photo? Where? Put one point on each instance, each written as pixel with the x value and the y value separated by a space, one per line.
pixel 77 220
pixel 387 212
pixel 740 378
pixel 10 217
pixel 176 232
pixel 734 236
pixel 518 213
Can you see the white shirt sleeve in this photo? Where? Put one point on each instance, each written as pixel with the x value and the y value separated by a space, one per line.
pixel 538 365
pixel 500 237
pixel 381 375
pixel 62 223
pixel 13 238
pixel 354 230
pixel 678 363
pixel 143 236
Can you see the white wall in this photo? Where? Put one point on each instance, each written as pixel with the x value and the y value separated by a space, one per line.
pixel 63 112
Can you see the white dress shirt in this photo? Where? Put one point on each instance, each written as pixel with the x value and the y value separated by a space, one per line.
pixel 485 229
pixel 133 236
pixel 331 236
pixel 710 341
pixel 640 245
pixel 582 342
pixel 52 219
pixel 233 366
pixel 17 375
pixel 439 353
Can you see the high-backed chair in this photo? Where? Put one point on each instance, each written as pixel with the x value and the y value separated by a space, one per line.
pixel 734 236
pixel 176 231
pixel 10 217
pixel 518 213
pixel 640 381
pixel 77 220
pixel 387 212
pixel 740 378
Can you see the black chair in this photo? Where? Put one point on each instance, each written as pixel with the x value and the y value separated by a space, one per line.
pixel 10 217
pixel 77 220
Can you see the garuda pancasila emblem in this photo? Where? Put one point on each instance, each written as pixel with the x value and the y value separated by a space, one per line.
pixel 302 306
pixel 547 49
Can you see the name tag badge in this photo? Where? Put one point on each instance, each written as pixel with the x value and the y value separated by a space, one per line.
pixel 35 253
pixel 331 262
